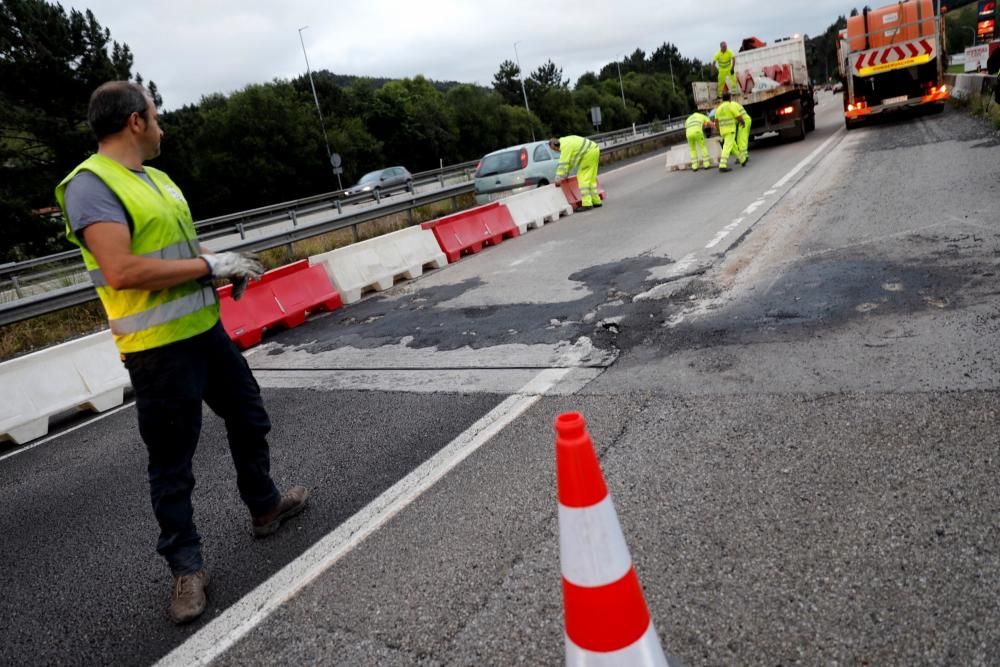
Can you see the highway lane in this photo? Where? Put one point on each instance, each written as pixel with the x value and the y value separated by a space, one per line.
pixel 512 338
pixel 466 572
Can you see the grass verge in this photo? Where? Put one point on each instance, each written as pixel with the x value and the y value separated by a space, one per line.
pixel 982 106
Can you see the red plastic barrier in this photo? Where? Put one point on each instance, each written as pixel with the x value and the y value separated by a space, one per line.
pixel 282 297
pixel 286 270
pixel 571 188
pixel 468 231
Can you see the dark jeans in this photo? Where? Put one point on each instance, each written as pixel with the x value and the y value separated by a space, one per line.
pixel 170 384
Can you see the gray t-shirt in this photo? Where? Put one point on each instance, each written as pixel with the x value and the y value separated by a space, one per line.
pixel 90 200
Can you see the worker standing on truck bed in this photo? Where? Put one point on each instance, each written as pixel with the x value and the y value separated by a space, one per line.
pixel 725 62
pixel 694 128
pixel 729 115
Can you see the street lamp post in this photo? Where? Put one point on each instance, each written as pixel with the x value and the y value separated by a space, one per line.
pixel 326 140
pixel 620 84
pixel 973 30
pixel 520 75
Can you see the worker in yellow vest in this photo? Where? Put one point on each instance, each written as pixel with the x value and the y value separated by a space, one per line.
pixel 139 244
pixel 725 62
pixel 694 128
pixel 742 133
pixel 583 156
pixel 729 116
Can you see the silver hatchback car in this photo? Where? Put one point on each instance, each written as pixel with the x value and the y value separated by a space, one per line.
pixel 515 169
pixel 383 179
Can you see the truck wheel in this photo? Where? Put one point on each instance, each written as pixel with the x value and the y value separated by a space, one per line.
pixel 811 122
pixel 797 133
pixel 851 124
pixel 935 108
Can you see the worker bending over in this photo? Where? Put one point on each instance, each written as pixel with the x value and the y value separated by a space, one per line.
pixel 694 127
pixel 583 156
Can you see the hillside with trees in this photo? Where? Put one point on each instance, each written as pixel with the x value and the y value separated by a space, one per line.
pixel 263 143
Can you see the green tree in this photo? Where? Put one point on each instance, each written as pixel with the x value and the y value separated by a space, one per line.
pixel 256 147
pixel 50 62
pixel 507 82
pixel 416 127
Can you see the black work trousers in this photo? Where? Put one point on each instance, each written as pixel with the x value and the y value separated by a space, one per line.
pixel 170 384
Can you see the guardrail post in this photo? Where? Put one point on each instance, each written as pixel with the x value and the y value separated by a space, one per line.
pixel 378 197
pixel 466 172
pixel 441 179
pixel 409 215
pixel 239 228
pixel 17 286
pixel 336 202
pixel 291 254
pixel 354 233
pixel 295 222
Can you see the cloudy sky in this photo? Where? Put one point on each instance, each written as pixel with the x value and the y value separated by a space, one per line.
pixel 192 48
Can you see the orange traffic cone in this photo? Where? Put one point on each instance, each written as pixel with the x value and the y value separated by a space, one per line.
pixel 607 621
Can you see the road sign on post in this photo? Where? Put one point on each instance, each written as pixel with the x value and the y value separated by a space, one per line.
pixel 595 116
pixel 336 161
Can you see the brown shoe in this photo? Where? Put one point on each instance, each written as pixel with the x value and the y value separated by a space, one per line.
pixel 292 502
pixel 187 602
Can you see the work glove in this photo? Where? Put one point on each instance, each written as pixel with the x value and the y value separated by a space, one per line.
pixel 240 268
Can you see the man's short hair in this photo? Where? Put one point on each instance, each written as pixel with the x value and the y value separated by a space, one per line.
pixel 554 142
pixel 726 96
pixel 112 104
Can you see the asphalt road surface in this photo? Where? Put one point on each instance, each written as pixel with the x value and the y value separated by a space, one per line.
pixel 790 372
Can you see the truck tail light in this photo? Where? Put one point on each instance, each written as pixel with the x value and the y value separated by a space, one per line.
pixel 784 111
pixel 857 105
pixel 524 158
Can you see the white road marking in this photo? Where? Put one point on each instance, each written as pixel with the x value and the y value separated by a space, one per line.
pixel 781 183
pixel 102 415
pixel 241 618
pixel 724 233
pixel 805 161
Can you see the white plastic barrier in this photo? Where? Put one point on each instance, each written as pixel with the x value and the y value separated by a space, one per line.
pixel 376 263
pixel 534 208
pixel 83 373
pixel 679 156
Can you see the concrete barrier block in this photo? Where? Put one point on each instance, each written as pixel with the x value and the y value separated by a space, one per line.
pixel 376 263
pixel 679 156
pixel 532 209
pixel 967 85
pixel 85 373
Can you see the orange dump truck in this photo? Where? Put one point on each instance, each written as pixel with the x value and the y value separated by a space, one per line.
pixel 892 58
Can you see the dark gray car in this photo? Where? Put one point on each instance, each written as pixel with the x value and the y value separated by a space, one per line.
pixel 381 180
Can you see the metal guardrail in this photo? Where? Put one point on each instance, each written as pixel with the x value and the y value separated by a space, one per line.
pixel 71 295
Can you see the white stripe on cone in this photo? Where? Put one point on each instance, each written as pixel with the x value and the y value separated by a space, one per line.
pixel 645 651
pixel 592 548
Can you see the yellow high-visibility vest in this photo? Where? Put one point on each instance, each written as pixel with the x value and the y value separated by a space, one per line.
pixel 162 228
pixel 571 152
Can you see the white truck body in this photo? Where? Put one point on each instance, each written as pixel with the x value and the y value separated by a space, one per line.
pixel 774 88
pixel 762 74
